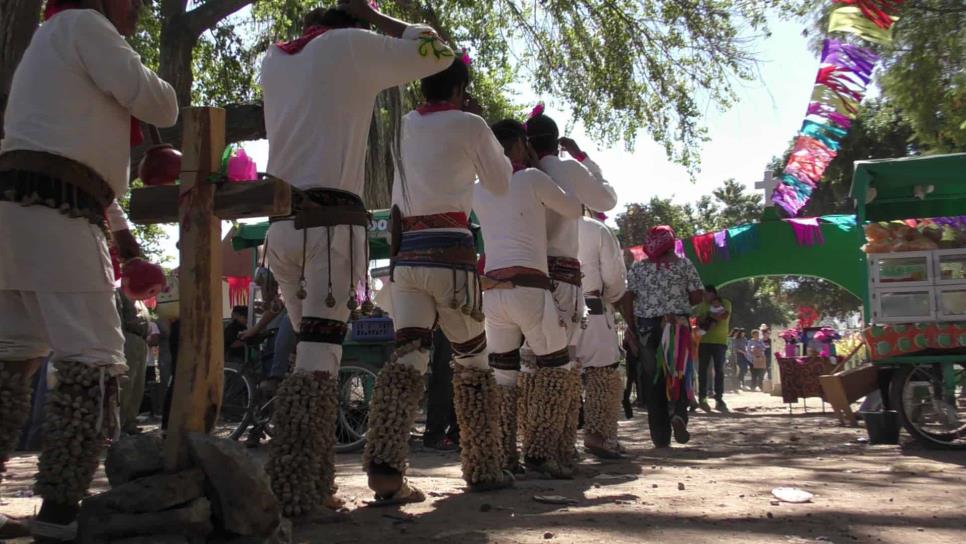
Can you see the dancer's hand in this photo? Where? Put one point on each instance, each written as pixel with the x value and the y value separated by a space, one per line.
pixel 127 245
pixel 570 146
pixel 633 345
pixel 360 9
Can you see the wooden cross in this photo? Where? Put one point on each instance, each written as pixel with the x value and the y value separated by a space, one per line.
pixel 199 205
pixel 767 184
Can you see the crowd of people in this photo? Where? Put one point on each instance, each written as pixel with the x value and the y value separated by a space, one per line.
pixel 531 327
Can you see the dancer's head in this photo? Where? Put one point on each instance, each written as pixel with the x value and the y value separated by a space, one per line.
pixel 123 14
pixel 449 85
pixel 710 293
pixel 543 134
pixel 659 242
pixel 512 135
pixel 331 18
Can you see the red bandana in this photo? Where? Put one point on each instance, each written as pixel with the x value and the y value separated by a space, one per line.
pixel 296 45
pixel 427 107
pixel 659 244
pixel 54 7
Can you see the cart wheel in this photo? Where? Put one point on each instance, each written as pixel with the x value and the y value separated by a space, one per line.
pixel 357 381
pixel 931 408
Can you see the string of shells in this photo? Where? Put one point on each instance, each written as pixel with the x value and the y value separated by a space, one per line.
pixel 392 413
pixel 525 382
pixel 570 405
pixel 14 410
pixel 476 401
pixel 301 463
pixel 547 412
pixel 72 442
pixel 508 426
pixel 603 391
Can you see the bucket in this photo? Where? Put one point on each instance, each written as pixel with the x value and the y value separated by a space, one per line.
pixel 883 427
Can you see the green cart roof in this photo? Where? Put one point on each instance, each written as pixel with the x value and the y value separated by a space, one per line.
pixel 895 180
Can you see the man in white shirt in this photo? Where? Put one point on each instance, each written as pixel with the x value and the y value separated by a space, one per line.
pixel 443 150
pixel 598 352
pixel 581 177
pixel 319 92
pixel 519 305
pixel 64 158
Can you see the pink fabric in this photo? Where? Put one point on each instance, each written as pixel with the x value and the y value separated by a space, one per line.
pixel 294 46
pixel 807 231
pixel 241 167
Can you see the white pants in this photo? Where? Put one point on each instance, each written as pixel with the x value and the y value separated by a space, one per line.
pixel 597 345
pixel 348 267
pixel 77 327
pixel 569 300
pixel 421 296
pixel 518 314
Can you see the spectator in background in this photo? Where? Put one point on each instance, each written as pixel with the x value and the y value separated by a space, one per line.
pixel 739 347
pixel 235 346
pixel 134 324
pixel 756 353
pixel 716 313
pixel 442 432
pixel 766 339
pixel 152 391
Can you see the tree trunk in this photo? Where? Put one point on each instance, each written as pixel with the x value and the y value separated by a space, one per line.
pixel 177 44
pixel 18 21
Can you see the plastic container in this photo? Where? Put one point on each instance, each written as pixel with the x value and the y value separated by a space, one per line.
pixel 883 427
pixel 373 329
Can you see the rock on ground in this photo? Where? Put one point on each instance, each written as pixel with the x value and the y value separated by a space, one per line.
pixel 151 493
pixel 191 520
pixel 133 457
pixel 239 488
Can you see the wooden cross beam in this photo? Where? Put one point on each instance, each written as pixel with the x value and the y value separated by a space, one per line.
pixel 198 206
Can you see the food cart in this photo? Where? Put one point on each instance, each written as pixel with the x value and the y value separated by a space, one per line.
pixel 915 304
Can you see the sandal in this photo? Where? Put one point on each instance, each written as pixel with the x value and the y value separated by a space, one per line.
pixel 404 495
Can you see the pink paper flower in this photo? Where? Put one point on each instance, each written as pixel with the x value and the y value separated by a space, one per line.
pixel 465 58
pixel 537 110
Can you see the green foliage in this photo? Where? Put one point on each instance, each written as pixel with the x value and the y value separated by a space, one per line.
pixel 149 236
pixel 224 66
pixel 829 299
pixel 755 301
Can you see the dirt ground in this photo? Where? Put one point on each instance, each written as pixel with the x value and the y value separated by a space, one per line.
pixel 717 489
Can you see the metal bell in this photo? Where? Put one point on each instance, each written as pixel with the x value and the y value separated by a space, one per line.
pixel 477 315
pixel 454 304
pixel 465 309
pixel 330 301
pixel 301 294
pixel 367 306
pixel 352 304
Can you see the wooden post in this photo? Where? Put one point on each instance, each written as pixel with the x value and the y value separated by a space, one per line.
pixel 198 380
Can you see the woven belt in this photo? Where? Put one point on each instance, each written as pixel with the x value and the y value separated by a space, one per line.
pixel 437 249
pixel 508 278
pixel 37 178
pixel 564 269
pixel 448 220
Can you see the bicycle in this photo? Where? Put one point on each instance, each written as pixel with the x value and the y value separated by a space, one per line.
pixel 244 408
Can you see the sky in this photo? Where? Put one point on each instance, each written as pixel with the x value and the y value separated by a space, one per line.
pixel 742 140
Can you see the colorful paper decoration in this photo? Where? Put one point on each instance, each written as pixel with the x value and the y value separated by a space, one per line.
pixel 807 231
pixel 742 239
pixel 721 245
pixel 850 19
pixel 840 85
pixel 703 247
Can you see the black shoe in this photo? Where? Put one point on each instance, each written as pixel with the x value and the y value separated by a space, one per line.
pixel 721 407
pixel 628 410
pixel 681 434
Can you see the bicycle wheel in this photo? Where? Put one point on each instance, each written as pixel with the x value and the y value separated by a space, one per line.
pixel 932 409
pixel 234 416
pixel 357 381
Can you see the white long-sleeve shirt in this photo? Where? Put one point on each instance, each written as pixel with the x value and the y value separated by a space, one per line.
pixel 319 102
pixel 74 93
pixel 601 261
pixel 589 187
pixel 514 224
pixel 443 154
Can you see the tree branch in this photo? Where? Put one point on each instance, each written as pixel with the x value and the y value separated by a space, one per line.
pixel 209 14
pixel 173 8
